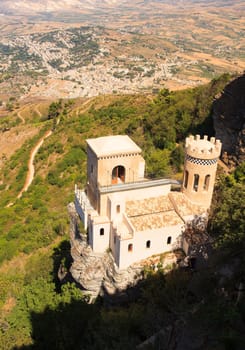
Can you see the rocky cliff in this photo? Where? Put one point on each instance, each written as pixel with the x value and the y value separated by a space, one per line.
pixel 229 121
pixel 98 273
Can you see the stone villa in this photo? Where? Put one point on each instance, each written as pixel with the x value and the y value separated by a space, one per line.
pixel 136 217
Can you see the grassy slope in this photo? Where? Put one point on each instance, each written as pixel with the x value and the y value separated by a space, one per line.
pixel 39 219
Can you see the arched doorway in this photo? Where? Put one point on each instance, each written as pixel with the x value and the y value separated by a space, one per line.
pixel 118 175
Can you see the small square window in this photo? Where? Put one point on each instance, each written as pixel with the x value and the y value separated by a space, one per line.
pixel 102 232
pixel 130 247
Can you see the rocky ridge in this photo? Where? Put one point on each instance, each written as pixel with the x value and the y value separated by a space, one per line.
pixel 229 121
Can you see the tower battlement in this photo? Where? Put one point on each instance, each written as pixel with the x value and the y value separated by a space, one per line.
pixel 201 159
pixel 202 148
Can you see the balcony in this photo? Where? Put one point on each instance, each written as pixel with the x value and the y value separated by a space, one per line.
pixel 136 185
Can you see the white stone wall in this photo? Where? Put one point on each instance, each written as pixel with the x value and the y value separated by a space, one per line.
pixel 117 207
pixel 92 168
pixel 99 241
pixel 109 201
pixel 115 246
pixel 133 164
pixel 81 213
pixel 158 244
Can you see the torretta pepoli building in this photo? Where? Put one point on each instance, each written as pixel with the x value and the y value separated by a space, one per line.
pixel 135 217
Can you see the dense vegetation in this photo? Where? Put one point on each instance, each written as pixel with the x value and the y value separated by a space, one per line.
pixel 201 304
pixel 34 229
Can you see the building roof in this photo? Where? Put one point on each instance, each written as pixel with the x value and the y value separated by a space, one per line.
pixel 112 145
pixel 148 206
pixel 184 206
pixel 155 220
pixel 152 213
pixel 100 220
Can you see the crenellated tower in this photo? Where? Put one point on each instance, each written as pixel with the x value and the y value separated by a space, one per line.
pixel 201 158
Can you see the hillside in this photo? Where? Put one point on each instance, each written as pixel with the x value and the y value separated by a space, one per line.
pixel 34 307
pixel 95 47
pixel 157 124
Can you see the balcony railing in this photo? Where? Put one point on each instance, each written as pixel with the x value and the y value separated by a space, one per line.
pixel 136 185
pixel 83 199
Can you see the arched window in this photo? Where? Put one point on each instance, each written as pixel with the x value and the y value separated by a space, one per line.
pixel 102 231
pixel 148 244
pixel 130 247
pixel 196 181
pixel 169 240
pixel 118 174
pixel 186 178
pixel 206 182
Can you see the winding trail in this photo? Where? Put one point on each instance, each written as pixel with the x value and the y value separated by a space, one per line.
pixel 21 118
pixel 85 105
pixel 37 111
pixel 31 168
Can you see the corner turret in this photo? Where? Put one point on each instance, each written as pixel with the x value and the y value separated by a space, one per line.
pixel 201 158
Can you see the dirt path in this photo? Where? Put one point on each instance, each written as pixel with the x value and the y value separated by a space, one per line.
pixel 85 105
pixel 19 113
pixel 37 111
pixel 21 118
pixel 31 168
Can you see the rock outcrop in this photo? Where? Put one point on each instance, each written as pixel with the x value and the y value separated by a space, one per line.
pixel 229 121
pixel 98 273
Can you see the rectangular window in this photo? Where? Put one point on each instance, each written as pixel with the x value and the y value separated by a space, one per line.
pixel 206 182
pixel 186 179
pixel 196 181
pixel 130 247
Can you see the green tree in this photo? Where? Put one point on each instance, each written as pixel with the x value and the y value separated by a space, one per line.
pixel 54 109
pixel 227 222
pixel 158 163
pixel 177 157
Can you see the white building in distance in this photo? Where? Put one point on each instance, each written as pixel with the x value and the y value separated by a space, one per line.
pixel 136 217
